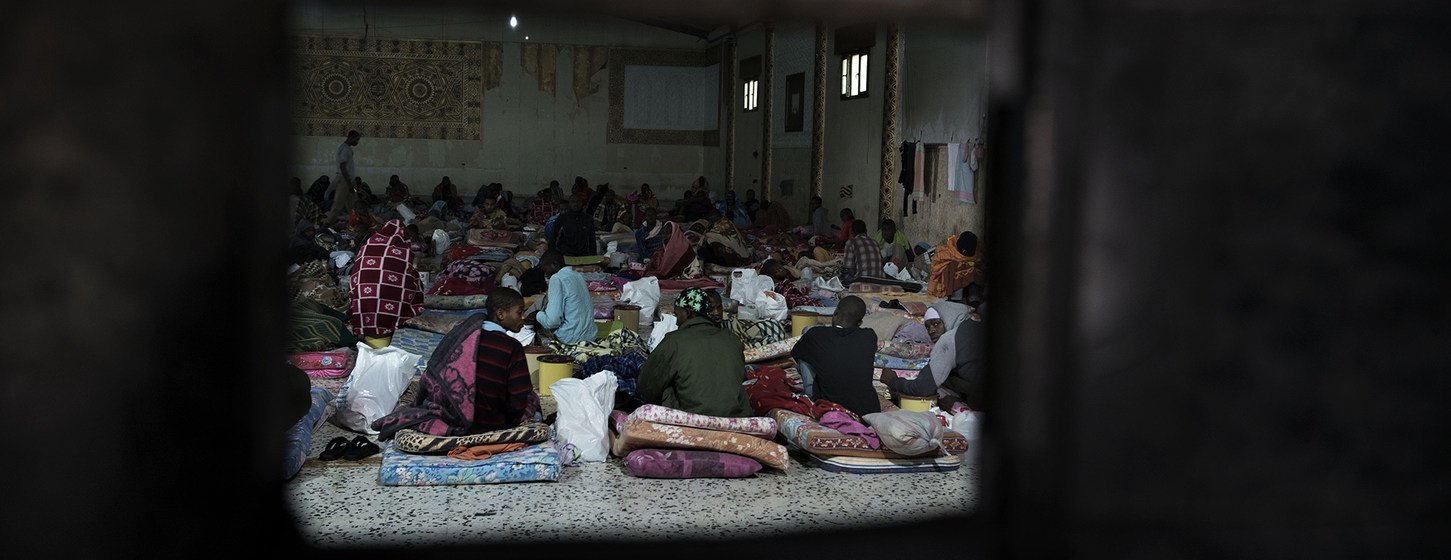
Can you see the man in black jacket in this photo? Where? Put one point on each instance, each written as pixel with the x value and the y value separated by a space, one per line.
pixel 836 362
pixel 574 232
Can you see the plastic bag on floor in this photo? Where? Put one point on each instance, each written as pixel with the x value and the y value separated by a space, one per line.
pixel 440 241
pixel 379 377
pixel 906 432
pixel 746 284
pixel 645 293
pixel 584 411
pixel 771 305
pixel 664 326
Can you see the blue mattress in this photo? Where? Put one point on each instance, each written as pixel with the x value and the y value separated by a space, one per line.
pixel 299 436
pixel 539 462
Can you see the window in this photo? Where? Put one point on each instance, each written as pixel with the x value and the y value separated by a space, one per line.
pixel 748 95
pixel 854 75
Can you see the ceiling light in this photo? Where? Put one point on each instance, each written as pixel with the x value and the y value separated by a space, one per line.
pixel 513 21
pixel 526 37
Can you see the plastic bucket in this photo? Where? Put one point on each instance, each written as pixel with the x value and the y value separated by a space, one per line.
pixel 553 367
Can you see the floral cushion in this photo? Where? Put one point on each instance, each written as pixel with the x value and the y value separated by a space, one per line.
pixel 757 426
pixel 906 350
pixel 455 302
pixel 414 441
pixel 639 434
pixel 818 440
pixel 439 323
pixel 678 463
pixel 771 351
pixel 534 463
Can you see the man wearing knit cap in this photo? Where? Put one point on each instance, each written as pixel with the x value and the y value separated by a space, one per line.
pixel 699 367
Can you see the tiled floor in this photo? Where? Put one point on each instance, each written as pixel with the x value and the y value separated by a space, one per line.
pixel 340 504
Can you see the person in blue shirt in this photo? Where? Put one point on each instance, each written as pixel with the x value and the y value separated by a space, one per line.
pixel 734 210
pixel 567 310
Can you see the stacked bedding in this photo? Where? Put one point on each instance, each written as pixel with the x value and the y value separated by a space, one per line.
pixel 840 452
pixel 644 437
pixel 537 462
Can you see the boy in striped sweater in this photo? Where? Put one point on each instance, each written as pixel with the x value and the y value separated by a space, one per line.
pixel 504 395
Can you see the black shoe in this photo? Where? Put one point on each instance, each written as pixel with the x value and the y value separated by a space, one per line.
pixel 334 450
pixel 360 448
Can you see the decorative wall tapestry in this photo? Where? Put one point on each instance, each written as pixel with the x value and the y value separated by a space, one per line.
pixel 387 88
pixel 588 60
pixel 493 65
pixel 538 60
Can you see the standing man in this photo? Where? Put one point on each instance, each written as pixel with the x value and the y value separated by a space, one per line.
pixel 347 170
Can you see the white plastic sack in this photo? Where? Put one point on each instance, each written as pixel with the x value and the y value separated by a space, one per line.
pixel 341 258
pixel 406 213
pixel 907 432
pixel 645 293
pixel 664 326
pixel 899 274
pixel 771 305
pixel 584 412
pixel 510 281
pixel 440 241
pixel 747 284
pixel 379 377
pixel 831 285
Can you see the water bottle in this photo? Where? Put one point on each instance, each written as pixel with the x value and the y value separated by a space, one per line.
pixel 806 273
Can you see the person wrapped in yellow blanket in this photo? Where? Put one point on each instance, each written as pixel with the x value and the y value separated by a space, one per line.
pixel 956 264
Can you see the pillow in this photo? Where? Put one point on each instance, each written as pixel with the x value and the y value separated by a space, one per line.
pixel 439 323
pixel 756 426
pixel 912 331
pixel 884 323
pixel 677 463
pixel 331 363
pixel 904 349
pixel 771 351
pixel 455 302
pixel 416 442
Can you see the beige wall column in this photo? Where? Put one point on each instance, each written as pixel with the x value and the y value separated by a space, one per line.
pixel 767 109
pixel 818 115
pixel 891 105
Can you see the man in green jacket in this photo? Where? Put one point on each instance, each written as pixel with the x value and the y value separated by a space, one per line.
pixel 699 367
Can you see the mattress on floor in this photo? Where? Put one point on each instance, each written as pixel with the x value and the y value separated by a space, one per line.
pixel 474 301
pixel 639 434
pixel 812 437
pixel 299 436
pixel 869 465
pixel 417 341
pixel 880 360
pixel 532 464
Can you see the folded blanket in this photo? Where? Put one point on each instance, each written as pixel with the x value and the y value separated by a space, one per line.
pixel 758 426
pixel 615 344
pixel 435 322
pixel 455 302
pixel 906 350
pixel 639 434
pixel 539 462
pixel 771 351
pixel 416 442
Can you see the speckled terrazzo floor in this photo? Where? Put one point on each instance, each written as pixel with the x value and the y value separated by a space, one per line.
pixel 340 504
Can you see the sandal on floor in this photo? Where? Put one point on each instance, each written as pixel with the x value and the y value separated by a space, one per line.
pixel 334 450
pixel 360 448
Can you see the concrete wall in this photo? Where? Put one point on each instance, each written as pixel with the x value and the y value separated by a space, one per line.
pixel 795 53
pixel 529 137
pixel 944 86
pixel 854 137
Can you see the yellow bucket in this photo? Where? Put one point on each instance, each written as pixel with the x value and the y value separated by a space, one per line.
pixel 531 356
pixel 916 404
pixel 378 341
pixel 629 314
pixel 802 319
pixel 553 367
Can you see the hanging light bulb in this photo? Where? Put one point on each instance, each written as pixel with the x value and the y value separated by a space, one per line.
pixel 513 21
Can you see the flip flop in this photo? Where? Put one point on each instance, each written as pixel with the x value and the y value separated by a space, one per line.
pixel 334 450
pixel 360 448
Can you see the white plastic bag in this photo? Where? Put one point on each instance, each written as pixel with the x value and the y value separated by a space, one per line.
pixel 664 326
pixel 906 432
pixel 379 377
pixel 832 285
pixel 584 412
pixel 510 281
pixel 645 293
pixel 771 305
pixel 406 213
pixel 440 241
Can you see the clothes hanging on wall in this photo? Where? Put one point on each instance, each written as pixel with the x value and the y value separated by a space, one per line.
pixel 905 176
pixel 918 161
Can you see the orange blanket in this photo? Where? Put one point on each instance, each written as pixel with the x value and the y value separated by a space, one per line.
pixel 951 270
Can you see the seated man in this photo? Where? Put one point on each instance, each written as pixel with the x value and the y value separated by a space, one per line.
pixel 893 242
pixel 862 257
pixel 836 362
pixel 503 393
pixel 567 309
pixel 489 216
pixel 957 358
pixel 699 367
pixel 573 232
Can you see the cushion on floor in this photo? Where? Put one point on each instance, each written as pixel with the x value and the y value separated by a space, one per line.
pixel 639 434
pixel 869 465
pixel 772 351
pixel 435 322
pixel 684 463
pixel 323 364
pixel 758 426
pixel 818 440
pixel 416 442
pixel 538 462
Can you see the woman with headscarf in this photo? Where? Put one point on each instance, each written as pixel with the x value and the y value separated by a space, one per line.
pixel 384 290
pixel 956 362
pixel 699 367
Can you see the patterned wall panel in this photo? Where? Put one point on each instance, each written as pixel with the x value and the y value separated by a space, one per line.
pixel 387 88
